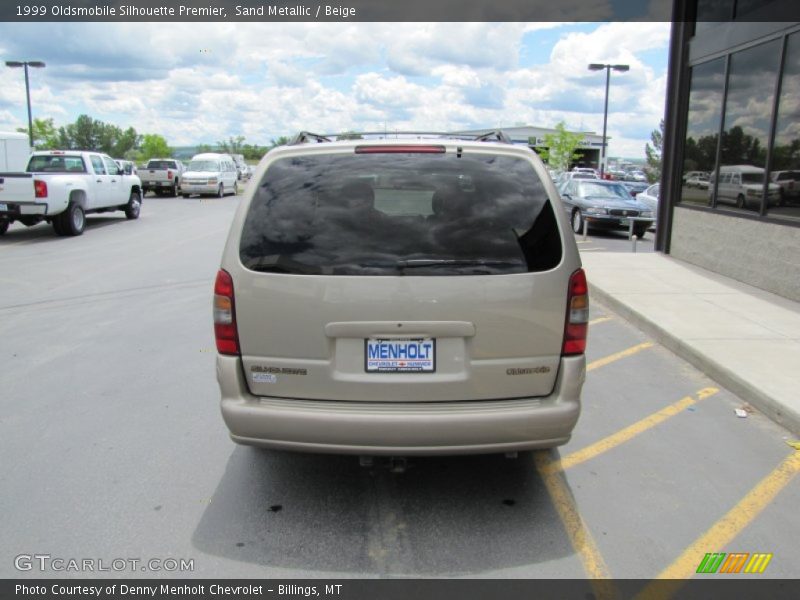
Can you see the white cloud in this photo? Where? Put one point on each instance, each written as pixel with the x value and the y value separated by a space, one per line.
pixel 205 82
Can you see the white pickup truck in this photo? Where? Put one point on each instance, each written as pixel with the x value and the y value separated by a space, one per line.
pixel 162 176
pixel 62 186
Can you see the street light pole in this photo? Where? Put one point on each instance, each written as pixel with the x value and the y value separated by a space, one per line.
pixel 25 64
pixel 599 67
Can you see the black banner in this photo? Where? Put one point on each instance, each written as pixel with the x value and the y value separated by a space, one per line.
pixel 400 589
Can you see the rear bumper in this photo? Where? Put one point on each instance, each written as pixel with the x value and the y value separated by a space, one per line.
pixel 390 428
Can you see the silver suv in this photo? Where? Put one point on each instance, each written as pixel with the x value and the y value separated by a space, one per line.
pixel 404 296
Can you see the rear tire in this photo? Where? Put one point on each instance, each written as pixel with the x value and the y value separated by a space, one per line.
pixel 185 195
pixel 4 227
pixel 235 188
pixel 740 203
pixel 175 190
pixel 220 191
pixel 639 232
pixel 71 222
pixel 133 207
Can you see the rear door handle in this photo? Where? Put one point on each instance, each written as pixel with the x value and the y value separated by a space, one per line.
pixel 99 181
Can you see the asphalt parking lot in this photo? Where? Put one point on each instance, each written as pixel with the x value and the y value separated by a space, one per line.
pixel 114 447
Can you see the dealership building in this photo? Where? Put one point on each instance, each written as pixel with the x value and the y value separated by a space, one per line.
pixel 730 188
pixel 588 152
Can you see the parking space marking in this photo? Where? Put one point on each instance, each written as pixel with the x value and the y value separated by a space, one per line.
pixel 579 536
pixel 600 320
pixel 602 362
pixel 728 527
pixel 628 433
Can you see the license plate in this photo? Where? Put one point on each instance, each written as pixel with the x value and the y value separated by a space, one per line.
pixel 400 356
pixel 166 183
pixel 624 221
pixel 3 207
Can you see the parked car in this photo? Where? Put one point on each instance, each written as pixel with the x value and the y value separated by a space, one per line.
pixel 588 170
pixel 210 174
pixel 699 181
pixel 649 197
pixel 62 186
pixel 789 182
pixel 743 186
pixel 241 166
pixel 401 297
pixel 635 176
pixel 569 175
pixel 604 205
pixel 690 174
pixel 162 176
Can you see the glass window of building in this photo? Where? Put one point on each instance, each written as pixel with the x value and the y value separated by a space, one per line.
pixel 745 136
pixel 702 130
pixel 785 172
pixel 710 13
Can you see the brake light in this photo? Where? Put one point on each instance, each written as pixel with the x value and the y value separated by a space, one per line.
pixel 225 315
pixel 400 149
pixel 169 174
pixel 577 324
pixel 40 188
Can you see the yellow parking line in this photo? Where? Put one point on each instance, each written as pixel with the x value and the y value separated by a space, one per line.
pixel 724 530
pixel 615 357
pixel 579 536
pixel 630 432
pixel 599 320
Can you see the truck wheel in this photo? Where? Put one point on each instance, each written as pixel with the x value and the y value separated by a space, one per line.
pixel 175 190
pixel 3 227
pixel 235 188
pixel 133 207
pixel 72 221
pixel 185 195
pixel 220 191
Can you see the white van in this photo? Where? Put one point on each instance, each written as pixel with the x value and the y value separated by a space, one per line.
pixel 14 152
pixel 210 173
pixel 743 185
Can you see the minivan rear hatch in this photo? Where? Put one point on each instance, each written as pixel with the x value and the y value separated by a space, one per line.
pixel 400 276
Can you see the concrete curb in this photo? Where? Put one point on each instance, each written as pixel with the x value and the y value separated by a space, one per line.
pixel 765 403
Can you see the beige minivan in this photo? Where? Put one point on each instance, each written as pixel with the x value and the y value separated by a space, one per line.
pixel 411 296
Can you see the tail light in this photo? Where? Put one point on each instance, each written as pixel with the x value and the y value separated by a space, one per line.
pixel 225 315
pixel 169 174
pixel 577 315
pixel 40 188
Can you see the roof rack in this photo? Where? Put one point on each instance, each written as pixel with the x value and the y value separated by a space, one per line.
pixel 494 136
pixel 304 137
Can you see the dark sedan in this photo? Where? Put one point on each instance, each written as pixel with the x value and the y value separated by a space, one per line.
pixel 604 205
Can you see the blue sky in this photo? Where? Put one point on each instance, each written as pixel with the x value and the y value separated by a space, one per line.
pixel 203 82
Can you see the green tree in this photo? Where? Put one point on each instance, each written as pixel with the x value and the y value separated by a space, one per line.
pixel 45 134
pixel 653 153
pixel 560 147
pixel 281 141
pixel 350 135
pixel 153 145
pixel 233 145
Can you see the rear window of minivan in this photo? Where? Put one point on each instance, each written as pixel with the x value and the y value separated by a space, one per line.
pixel 400 214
